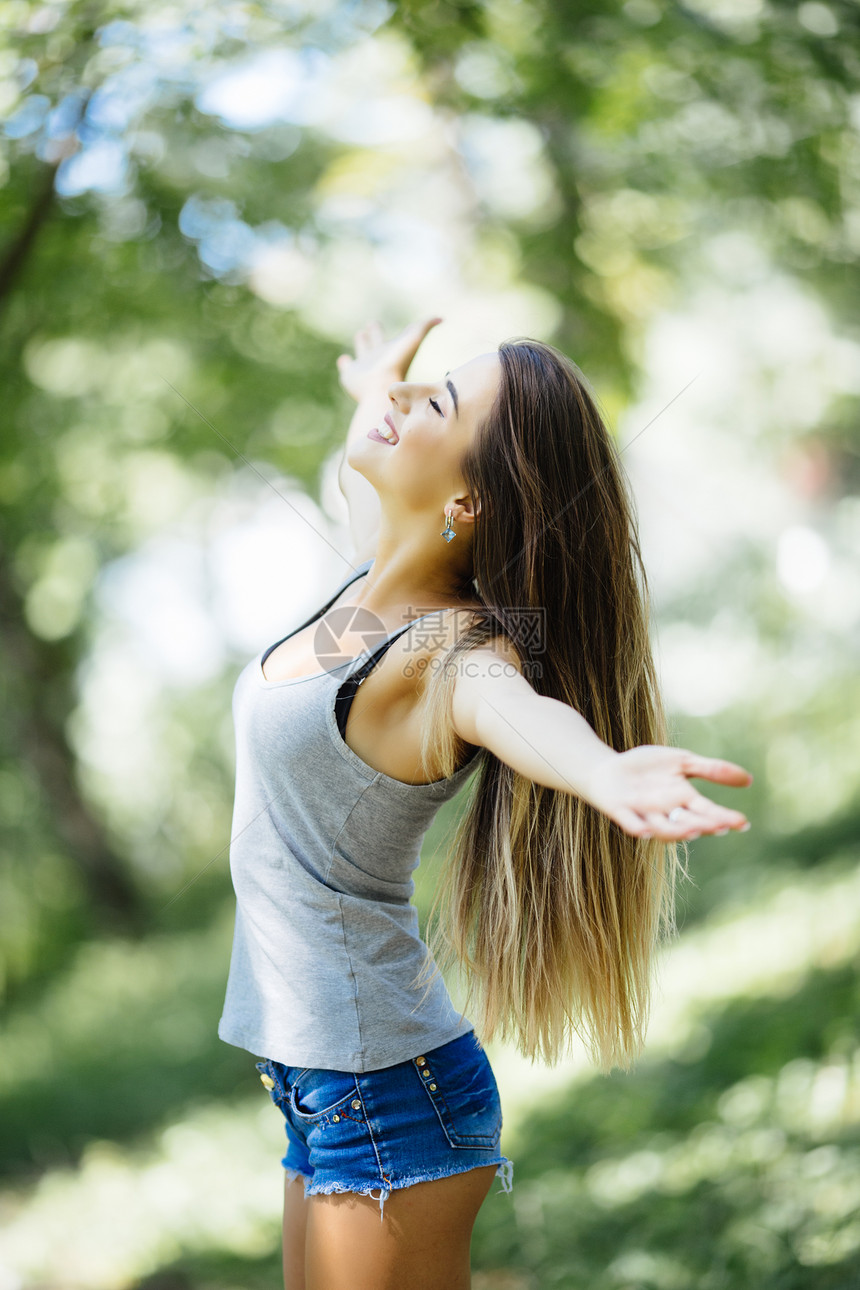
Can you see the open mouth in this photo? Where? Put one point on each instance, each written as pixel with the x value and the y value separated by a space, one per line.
pixel 390 431
pixel 374 434
pixel 392 427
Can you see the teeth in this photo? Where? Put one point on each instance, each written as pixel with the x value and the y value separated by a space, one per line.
pixel 386 433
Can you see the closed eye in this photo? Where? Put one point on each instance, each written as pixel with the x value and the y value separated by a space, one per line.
pixel 435 405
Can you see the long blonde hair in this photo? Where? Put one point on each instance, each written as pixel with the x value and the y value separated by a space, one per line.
pixel 554 912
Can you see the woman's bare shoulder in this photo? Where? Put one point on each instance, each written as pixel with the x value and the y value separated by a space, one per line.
pixel 456 620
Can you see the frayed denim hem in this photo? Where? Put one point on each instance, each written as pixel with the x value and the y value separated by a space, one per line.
pixel 293 1174
pixel 332 1189
pixel 504 1170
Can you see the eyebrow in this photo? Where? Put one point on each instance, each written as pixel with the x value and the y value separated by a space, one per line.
pixel 453 396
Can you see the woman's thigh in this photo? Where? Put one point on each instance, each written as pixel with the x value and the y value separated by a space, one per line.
pixel 294 1227
pixel 423 1243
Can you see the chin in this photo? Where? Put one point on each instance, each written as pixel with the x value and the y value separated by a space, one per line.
pixel 357 458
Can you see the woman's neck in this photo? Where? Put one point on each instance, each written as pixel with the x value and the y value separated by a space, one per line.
pixel 407 573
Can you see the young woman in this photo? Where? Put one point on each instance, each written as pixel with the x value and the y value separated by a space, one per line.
pixel 516 649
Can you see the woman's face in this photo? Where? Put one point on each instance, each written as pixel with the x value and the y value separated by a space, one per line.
pixel 433 426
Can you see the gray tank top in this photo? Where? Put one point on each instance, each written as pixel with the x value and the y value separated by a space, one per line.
pixel 325 942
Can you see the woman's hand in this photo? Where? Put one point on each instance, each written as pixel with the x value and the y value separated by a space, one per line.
pixel 378 361
pixel 638 788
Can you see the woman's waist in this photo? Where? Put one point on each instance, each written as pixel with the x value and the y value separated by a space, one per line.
pixel 315 965
pixel 273 863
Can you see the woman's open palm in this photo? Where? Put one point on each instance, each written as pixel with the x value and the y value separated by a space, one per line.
pixel 639 788
pixel 379 360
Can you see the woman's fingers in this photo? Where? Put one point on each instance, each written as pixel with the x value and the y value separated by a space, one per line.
pixel 645 823
pixel 630 821
pixel 714 768
pixel 650 824
pixel 659 822
pixel 363 341
pixel 422 325
pixel 683 821
pixel 686 826
pixel 413 335
pixel 371 347
pixel 722 816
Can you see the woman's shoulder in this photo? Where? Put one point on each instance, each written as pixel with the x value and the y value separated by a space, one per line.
pixel 457 619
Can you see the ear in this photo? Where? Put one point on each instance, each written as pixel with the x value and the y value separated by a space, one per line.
pixel 465 509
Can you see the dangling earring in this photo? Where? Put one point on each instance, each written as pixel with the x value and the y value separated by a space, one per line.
pixel 448 531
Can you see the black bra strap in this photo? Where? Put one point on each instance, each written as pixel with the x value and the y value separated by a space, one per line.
pixel 346 692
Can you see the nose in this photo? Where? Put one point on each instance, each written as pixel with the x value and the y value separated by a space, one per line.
pixel 397 392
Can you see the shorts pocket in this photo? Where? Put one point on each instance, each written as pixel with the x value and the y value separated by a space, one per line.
pixel 315 1094
pixel 462 1088
pixel 275 1079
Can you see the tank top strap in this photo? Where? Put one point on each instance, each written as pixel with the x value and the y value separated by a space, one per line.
pixel 351 577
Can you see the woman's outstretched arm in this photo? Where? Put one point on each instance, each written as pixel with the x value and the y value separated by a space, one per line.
pixel 550 743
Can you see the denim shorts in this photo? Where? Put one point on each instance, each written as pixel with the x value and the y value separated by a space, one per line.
pixel 436 1115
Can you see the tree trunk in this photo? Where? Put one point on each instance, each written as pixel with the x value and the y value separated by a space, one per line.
pixel 39 700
